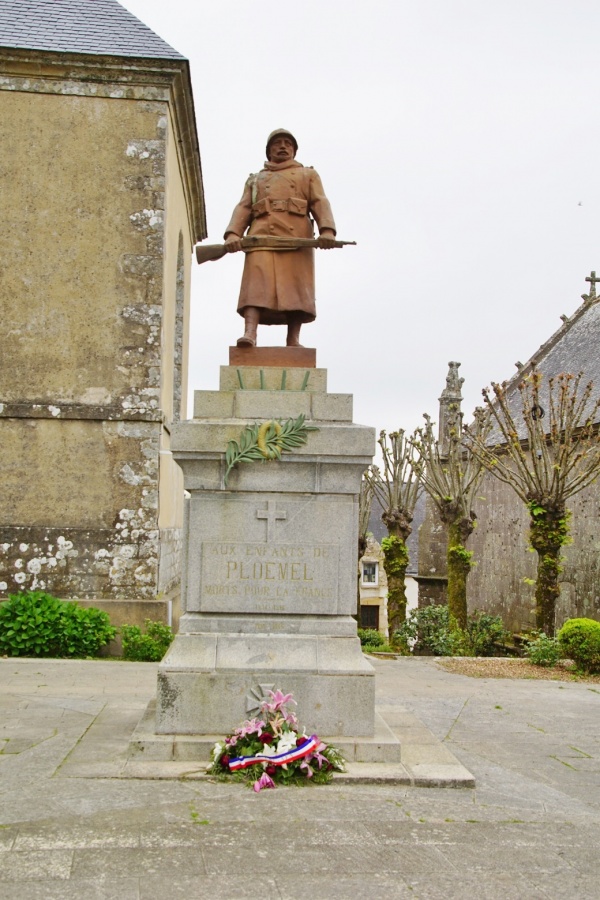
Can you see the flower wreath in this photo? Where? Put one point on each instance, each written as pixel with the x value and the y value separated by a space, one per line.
pixel 271 749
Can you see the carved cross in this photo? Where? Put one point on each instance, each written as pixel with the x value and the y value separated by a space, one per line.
pixel 272 516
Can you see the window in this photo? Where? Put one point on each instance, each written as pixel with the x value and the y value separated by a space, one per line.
pixel 370 573
pixel 369 616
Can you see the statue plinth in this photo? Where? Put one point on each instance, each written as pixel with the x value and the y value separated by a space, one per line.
pixel 270 564
pixel 292 357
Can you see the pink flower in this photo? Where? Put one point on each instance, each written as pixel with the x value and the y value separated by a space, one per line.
pixel 306 769
pixel 317 756
pixel 265 781
pixel 278 700
pixel 252 726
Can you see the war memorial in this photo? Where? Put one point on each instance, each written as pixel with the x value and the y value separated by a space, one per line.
pixel 92 806
pixel 272 464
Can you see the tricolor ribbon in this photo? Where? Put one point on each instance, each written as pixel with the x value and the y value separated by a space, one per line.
pixel 305 749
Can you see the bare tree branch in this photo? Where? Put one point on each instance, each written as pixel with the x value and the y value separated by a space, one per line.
pixel 396 490
pixel 545 461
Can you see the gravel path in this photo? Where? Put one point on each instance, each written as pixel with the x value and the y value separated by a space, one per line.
pixel 498 667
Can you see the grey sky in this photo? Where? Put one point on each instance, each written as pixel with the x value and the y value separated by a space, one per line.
pixel 458 143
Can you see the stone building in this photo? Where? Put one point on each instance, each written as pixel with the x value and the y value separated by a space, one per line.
pixel 500 583
pixel 102 204
pixel 373 588
pixel 432 575
pixel 373 580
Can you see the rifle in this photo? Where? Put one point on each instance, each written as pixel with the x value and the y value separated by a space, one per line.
pixel 262 242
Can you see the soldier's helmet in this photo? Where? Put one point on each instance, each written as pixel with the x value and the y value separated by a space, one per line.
pixel 277 133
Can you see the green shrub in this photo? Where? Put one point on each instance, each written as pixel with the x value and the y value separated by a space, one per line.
pixel 483 633
pixel 431 630
pixel 543 651
pixel 580 641
pixel 371 637
pixel 33 623
pixel 149 647
pixel 378 648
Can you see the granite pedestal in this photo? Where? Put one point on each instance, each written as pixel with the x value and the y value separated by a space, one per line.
pixel 270 563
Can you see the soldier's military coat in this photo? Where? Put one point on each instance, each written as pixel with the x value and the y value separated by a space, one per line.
pixel 278 202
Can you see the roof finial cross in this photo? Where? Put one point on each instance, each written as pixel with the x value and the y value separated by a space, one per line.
pixel 593 282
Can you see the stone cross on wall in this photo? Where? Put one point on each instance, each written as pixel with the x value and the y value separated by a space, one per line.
pixel 593 282
pixel 450 412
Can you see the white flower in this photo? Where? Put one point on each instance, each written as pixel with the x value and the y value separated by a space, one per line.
pixel 269 750
pixel 286 742
pixel 217 750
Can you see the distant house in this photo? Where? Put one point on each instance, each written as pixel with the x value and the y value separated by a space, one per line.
pixel 102 204
pixel 373 581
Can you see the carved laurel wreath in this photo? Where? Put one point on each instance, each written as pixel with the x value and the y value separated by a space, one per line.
pixel 266 441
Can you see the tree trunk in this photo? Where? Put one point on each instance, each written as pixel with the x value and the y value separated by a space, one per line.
pixel 549 530
pixel 459 566
pixel 395 562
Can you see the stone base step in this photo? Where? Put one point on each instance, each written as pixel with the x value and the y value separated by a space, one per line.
pixel 383 747
pixel 407 754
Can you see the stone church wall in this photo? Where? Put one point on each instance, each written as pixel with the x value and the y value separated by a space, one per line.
pixel 504 564
pixel 500 545
pixel 94 299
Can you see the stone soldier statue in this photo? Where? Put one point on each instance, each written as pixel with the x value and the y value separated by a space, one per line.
pixel 278 286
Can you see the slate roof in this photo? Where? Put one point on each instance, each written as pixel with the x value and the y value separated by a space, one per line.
pixel 103 27
pixel 573 348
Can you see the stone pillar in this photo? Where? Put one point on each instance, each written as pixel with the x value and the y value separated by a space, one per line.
pixel 270 561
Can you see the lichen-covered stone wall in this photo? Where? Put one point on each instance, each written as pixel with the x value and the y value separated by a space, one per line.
pixel 94 296
pixel 504 561
pixel 432 569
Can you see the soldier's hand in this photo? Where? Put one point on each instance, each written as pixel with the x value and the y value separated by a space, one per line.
pixel 326 239
pixel 233 243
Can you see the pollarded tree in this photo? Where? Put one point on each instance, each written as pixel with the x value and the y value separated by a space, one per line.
pixel 545 461
pixel 396 490
pixel 451 475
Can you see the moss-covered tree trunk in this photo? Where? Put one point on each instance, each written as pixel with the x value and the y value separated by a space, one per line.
pixel 549 531
pixel 459 562
pixel 395 563
pixel 459 566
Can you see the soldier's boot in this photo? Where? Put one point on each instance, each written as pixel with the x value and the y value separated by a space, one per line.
pixel 251 320
pixel 293 332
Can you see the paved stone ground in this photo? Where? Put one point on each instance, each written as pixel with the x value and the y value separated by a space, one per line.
pixel 530 828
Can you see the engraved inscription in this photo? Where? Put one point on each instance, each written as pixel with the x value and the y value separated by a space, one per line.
pixel 280 578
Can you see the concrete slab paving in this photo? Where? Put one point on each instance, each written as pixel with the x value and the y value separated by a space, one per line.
pixel 75 824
